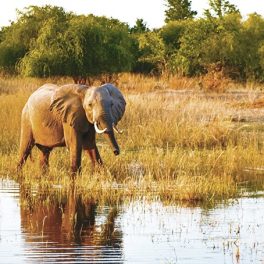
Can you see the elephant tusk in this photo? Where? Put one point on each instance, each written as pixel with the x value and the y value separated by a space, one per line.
pixel 99 131
pixel 116 129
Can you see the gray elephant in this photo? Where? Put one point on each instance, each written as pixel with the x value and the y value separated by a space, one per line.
pixel 70 115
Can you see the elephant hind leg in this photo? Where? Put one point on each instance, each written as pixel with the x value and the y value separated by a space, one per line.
pixel 26 145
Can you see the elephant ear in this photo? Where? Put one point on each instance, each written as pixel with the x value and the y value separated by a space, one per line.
pixel 66 104
pixel 118 102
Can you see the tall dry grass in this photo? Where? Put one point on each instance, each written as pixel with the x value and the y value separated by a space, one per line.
pixel 178 144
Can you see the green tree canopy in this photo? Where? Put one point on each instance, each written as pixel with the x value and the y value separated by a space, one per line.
pixel 80 46
pixel 139 27
pixel 179 10
pixel 47 41
pixel 252 44
pixel 219 8
pixel 21 36
pixel 152 49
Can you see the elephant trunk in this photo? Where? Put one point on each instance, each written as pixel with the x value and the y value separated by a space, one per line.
pixel 111 138
pixel 105 123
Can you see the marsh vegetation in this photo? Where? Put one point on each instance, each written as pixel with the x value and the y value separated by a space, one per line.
pixel 180 143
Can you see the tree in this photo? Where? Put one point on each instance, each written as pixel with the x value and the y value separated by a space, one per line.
pixel 219 8
pixel 82 46
pixel 179 10
pixel 100 45
pixel 9 55
pixel 140 27
pixel 21 36
pixel 252 42
pixel 152 50
pixel 187 60
pixel 49 55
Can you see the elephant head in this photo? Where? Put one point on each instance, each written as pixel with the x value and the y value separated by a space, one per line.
pixel 82 106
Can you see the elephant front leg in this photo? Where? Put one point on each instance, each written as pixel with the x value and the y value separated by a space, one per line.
pixel 89 146
pixel 74 142
pixel 75 158
pixel 98 157
pixel 94 156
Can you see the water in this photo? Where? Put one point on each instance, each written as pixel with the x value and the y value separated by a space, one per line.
pixel 58 228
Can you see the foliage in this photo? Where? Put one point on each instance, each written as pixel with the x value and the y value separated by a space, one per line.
pixel 85 46
pixel 153 50
pixel 60 43
pixel 136 32
pixel 179 10
pixel 219 8
pixel 230 43
pixel 99 45
pixel 252 48
pixel 20 37
pixel 9 55
pixel 48 41
pixel 139 27
pixel 48 54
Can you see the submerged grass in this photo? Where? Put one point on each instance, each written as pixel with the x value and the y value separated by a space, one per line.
pixel 177 145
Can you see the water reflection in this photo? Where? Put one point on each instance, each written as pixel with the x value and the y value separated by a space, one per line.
pixel 68 226
pixel 11 237
pixel 51 227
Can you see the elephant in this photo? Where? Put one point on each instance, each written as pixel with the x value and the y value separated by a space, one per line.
pixel 70 115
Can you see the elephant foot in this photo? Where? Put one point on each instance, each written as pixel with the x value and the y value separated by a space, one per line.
pixel 75 170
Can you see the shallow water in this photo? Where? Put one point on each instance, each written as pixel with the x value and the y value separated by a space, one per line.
pixel 44 228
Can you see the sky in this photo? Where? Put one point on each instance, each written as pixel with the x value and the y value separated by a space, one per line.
pixel 151 11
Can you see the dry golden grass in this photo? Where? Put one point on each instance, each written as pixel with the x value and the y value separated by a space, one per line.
pixel 135 83
pixel 178 144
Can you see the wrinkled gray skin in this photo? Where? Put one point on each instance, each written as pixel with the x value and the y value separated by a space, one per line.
pixel 64 116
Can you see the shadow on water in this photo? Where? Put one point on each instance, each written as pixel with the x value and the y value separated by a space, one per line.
pixel 68 226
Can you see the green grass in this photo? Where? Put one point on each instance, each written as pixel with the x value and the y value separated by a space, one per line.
pixel 176 147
